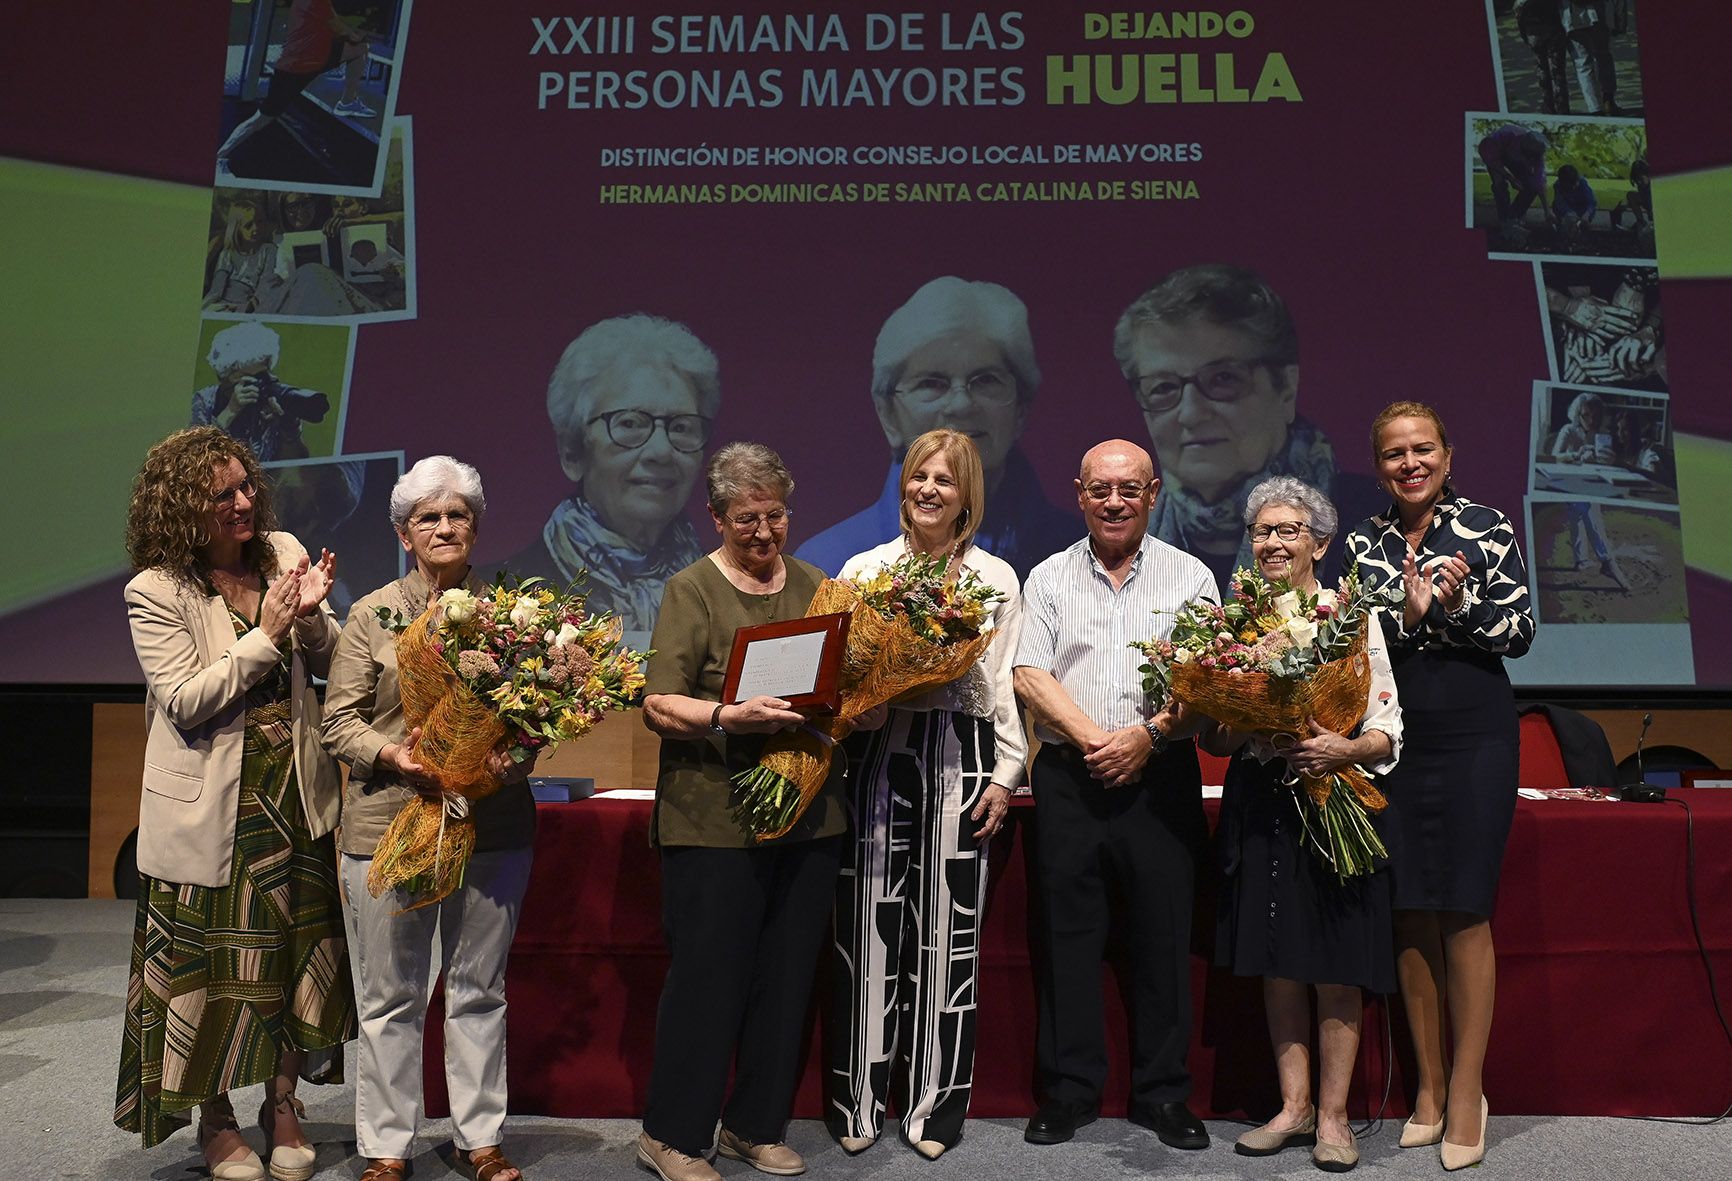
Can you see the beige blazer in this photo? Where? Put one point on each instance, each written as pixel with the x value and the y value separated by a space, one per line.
pixel 196 674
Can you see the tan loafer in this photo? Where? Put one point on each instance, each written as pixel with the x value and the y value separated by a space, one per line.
pixel 1262 1142
pixel 1334 1158
pixel 670 1164
pixel 777 1159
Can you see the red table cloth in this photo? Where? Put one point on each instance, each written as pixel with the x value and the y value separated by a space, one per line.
pixel 1603 1003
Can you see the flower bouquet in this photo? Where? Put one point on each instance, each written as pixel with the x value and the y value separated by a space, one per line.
pixel 1269 659
pixel 517 667
pixel 911 628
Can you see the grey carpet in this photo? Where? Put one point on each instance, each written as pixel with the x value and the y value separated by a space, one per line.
pixel 63 980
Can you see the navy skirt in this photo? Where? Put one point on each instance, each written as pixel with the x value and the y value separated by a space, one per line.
pixel 1452 796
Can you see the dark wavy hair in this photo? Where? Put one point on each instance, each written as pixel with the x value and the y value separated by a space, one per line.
pixel 166 521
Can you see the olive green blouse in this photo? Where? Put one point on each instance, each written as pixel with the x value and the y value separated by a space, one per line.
pixel 694 635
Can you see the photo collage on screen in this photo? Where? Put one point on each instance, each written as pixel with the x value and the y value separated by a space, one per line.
pixel 1558 178
pixel 312 234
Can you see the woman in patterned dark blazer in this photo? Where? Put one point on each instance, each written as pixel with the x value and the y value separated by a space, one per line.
pixel 1464 608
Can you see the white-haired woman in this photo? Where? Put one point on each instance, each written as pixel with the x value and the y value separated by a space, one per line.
pixel 1587 438
pixel 632 401
pixel 1282 914
pixel 248 401
pixel 436 509
pixel 958 354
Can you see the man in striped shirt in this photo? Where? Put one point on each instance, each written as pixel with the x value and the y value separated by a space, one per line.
pixel 1118 803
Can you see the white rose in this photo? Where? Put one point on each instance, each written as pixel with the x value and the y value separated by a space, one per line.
pixel 524 613
pixel 1287 604
pixel 1303 631
pixel 458 605
pixel 1326 598
pixel 567 635
pixel 1183 656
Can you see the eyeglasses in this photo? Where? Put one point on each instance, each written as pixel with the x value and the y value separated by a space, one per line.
pixel 1224 381
pixel 631 429
pixel 429 521
pixel 1286 531
pixel 226 497
pixel 1129 490
pixel 992 386
pixel 776 519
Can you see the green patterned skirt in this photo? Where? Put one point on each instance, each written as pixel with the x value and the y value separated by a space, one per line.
pixel 223 979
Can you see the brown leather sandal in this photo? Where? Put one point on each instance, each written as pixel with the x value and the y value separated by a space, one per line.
pixel 484 1164
pixel 385 1170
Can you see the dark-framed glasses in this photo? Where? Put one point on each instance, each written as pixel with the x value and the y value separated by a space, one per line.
pixel 631 429
pixel 776 519
pixel 1129 490
pixel 1285 530
pixel 1223 381
pixel 992 386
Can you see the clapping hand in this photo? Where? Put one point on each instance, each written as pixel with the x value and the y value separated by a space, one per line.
pixel 315 581
pixel 1450 574
pixel 277 606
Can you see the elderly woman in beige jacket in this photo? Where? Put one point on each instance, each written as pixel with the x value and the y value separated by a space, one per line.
pixel 239 942
pixel 436 508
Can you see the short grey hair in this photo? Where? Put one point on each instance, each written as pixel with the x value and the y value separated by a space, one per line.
pixel 739 468
pixel 947 305
pixel 436 476
pixel 1583 403
pixel 246 343
pixel 633 341
pixel 1233 297
pixel 1294 493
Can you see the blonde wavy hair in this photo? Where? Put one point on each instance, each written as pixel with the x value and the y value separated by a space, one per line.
pixel 166 521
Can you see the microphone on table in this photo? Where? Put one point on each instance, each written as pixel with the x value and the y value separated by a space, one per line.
pixel 1642 791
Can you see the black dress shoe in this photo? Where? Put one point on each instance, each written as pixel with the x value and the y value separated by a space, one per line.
pixel 1173 1124
pixel 1055 1123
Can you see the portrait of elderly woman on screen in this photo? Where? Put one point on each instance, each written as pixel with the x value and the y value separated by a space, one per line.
pixel 1212 358
pixel 632 401
pixel 958 355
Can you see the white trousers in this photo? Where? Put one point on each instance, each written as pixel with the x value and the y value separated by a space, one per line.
pixel 392 956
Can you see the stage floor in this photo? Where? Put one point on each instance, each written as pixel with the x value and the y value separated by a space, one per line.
pixel 62 986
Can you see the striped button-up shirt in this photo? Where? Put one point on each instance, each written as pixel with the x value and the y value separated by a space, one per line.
pixel 1079 627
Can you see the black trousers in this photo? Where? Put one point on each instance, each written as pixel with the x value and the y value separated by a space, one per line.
pixel 1125 857
pixel 744 928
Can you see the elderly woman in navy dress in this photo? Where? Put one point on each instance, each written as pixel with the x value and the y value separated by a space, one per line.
pixel 1283 915
pixel 1464 610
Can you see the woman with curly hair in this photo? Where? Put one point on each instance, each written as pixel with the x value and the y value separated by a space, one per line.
pixel 240 971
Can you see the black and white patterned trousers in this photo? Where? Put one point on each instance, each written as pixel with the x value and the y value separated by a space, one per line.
pixel 905 963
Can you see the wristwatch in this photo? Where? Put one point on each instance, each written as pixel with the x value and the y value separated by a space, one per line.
pixel 1158 739
pixel 716 721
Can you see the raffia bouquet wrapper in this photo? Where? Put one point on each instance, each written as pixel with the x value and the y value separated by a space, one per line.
pixel 1267 661
pixel 909 630
pixel 516 669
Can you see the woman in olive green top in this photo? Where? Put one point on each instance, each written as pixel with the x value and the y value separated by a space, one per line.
pixel 744 921
pixel 436 508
